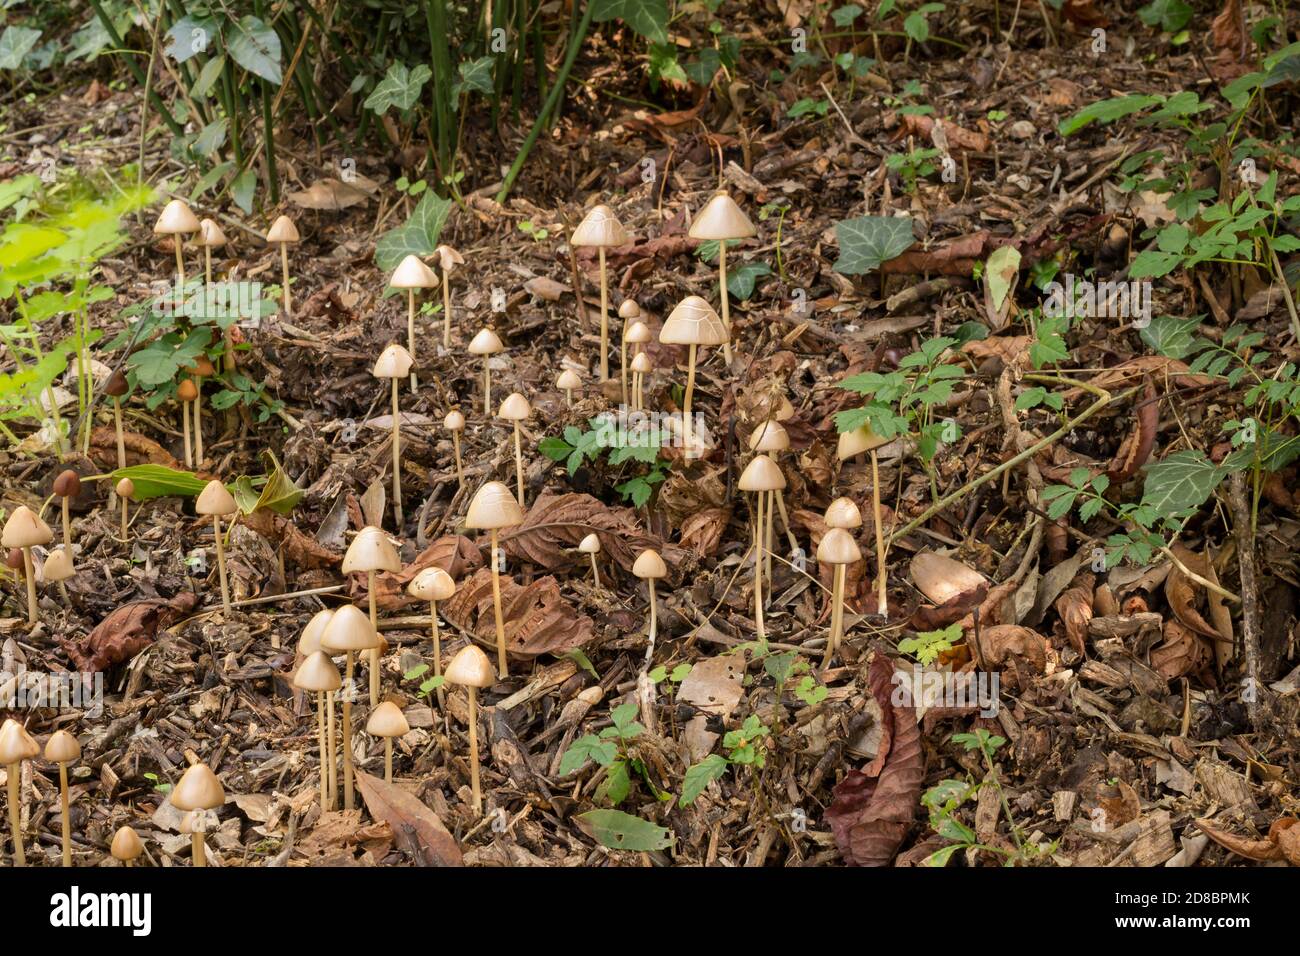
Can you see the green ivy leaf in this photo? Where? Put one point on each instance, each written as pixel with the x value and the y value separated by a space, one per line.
pixel 400 87
pixel 418 236
pixel 475 75
pixel 15 43
pixel 647 17
pixel 1174 337
pixel 741 281
pixel 868 241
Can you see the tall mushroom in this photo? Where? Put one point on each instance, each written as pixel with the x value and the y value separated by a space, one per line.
pixel 590 545
pixel 348 631
pixel 493 508
pixel 568 380
pixel 470 668
pixel 412 274
pixel 201 369
pixel 369 552
pixel 763 477
pixel 216 501
pixel 650 567
pixel 210 237
pixel 433 585
pixel 600 229
pixel 722 220
pixel 629 312
pixel 448 259
pixel 283 232
pixel 126 846
pixel 387 721
pixel 62 749
pixel 394 363
pixel 771 438
pixel 67 485
pixel 25 530
pixel 837 548
pixel 16 745
pixel 116 387
pixel 125 491
pixel 197 792
pixel 486 344
pixel 641 366
pixel 186 393
pixel 855 443
pixel 318 673
pixel 516 409
pixel 455 423
pixel 177 221
pixel 693 324
pixel 309 644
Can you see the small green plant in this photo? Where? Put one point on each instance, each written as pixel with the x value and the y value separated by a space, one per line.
pixel 427 685
pixel 610 749
pixel 913 166
pixel 928 645
pixel 744 748
pixel 622 444
pixel 536 233
pixel 158 785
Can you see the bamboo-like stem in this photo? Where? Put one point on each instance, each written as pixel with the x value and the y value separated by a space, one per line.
pixel 519 466
pixel 837 614
pixel 595 571
pixel 221 565
pixel 686 402
pixel 324 752
pixel 726 301
pixel 568 397
pixel 410 334
pixel 473 750
pixel 374 623
pixel 460 469
pixel 883 584
pixel 654 621
pixel 15 773
pixel 388 760
pixel 348 798
pixel 284 268
pixel 397 459
pixel 604 320
pixel 121 440
pixel 487 386
pixel 198 420
pixel 496 610
pixel 758 567
pixel 446 310
pixel 332 740
pixel 437 651
pixel 67 525
pixel 785 520
pixel 67 821
pixel 185 433
pixel 207 265
pixel 198 852
pixel 636 391
pixel 29 570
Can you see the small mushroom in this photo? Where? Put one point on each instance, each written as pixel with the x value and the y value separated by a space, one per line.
pixel 494 508
pixel 25 530
pixel 62 749
pixel 650 567
pixel 198 791
pixel 318 673
pixel 641 365
pixel 433 585
pixel 629 312
pixel 455 423
pixel 283 232
pixel 448 259
pixel 67 485
pixel 837 548
pixel 637 333
pixel 412 274
pixel 394 363
pixel 388 721
pixel 693 324
pixel 486 344
pixel 369 552
pixel 116 387
pixel 762 476
pixel 177 221
pixel 771 438
pixel 309 644
pixel 126 846
pixel 516 409
pixel 855 443
pixel 568 381
pixel 722 220
pixel 843 513
pixel 186 392
pixel 201 369
pixel 125 491
pixel 600 228
pixel 16 745
pixel 210 237
pixel 348 631
pixel 58 568
pixel 590 545
pixel 216 501
pixel 471 668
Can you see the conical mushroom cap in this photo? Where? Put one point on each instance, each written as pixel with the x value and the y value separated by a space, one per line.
pixel 215 500
pixel 317 672
pixel 590 544
pixel 648 564
pixel 494 506
pixel 693 322
pixel 641 363
pixel 638 333
pixel 187 391
pixel 455 421
pixel 838 547
pixel 722 219
pixel 210 234
pixel 349 630
pixel 393 362
pixel 629 309
pixel 470 668
pixel 515 408
pixel 309 642
pixel 67 484
pixel 448 258
pixel 176 219
pixel 202 368
pixel 58 566
pixel 941 578
pixel 371 550
pixel 843 513
pixel 126 844
pixel 198 789
pixel 485 343
pixel 769 436
pixel 857 441
pixel 411 273
pixel 600 227
pixel 62 747
pixel 761 474
pixel 785 412
pixel 387 720
pixel 569 379
pixel 283 230
pixel 432 584
pixel 25 529
pixel 16 743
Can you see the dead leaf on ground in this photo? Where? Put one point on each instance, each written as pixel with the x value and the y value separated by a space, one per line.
pixel 407 816
pixel 538 620
pixel 555 524
pixel 126 632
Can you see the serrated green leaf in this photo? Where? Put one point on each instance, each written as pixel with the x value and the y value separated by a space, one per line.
pixel 700 775
pixel 1181 483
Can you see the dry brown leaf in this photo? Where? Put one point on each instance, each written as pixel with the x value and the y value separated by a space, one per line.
pixel 454 553
pixel 126 632
pixel 302 550
pixel 1259 850
pixel 537 618
pixel 1135 451
pixel 139 449
pixel 702 531
pixel 1182 652
pixel 1181 591
pixel 959 140
pixel 1002 642
pixel 328 193
pixel 1075 608
pixel 555 524
pixel 408 817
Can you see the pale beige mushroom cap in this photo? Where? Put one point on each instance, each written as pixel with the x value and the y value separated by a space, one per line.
pixel 769 436
pixel 722 219
pixel 432 584
pixel 649 564
pixel 485 343
pixel 349 630
pixel 309 642
pixel 590 544
pixel 16 743
pixel 62 747
pixel 638 333
pixel 455 421
pixel 785 412
pixel 600 227
pixel 58 566
pixel 210 234
pixel 393 362
pixel 283 230
pixel 317 672
pixel 761 474
pixel 693 322
pixel 843 513
pixel 387 720
pixel 941 578
pixel 838 547
pixel 198 789
pixel 641 363
pixel 371 550
pixel 569 379
pixel 857 441
pixel 412 273
pixel 448 258
pixel 215 499
pixel 470 668
pixel 629 309
pixel 176 219
pixel 126 845
pixel 515 408
pixel 125 488
pixel 493 506
pixel 25 529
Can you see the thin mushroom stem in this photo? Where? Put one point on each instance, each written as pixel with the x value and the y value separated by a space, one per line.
pixel 30 571
pixel 125 530
pixel 446 310
pixel 654 622
pixel 332 738
pixel 67 523
pixel 221 565
pixel 722 293
pixel 324 753
pixel 768 540
pixel 758 567
pixel 460 469
pixel 496 610
pixel 410 333
pixel 198 420
pixel 198 852
pixel 180 262
pixel 348 799
pixel 15 774
pixel 604 320
pixel 487 386
pixel 473 750
pixel 568 397
pixel 595 571
pixel 397 459
pixel 437 651
pixel 622 358
pixel 284 268
pixel 785 520
pixel 374 622
pixel 883 583
pixel 207 265
pixel 837 614
pixel 121 440
pixel 185 433
pixel 67 822
pixel 686 401
pixel 519 466
pixel 388 760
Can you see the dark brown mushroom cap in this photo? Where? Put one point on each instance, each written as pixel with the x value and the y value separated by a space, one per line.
pixel 14 560
pixel 67 484
pixel 116 386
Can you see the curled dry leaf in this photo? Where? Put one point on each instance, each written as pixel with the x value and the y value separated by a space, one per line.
pixel 126 632
pixel 1075 608
pixel 1135 451
pixel 1181 591
pixel 1182 652
pixel 555 524
pixel 302 550
pixel 139 450
pixel 537 618
pixel 328 193
pixel 1260 850
pixel 430 842
pixel 702 531
pixel 955 589
pixel 1002 642
pixel 956 257
pixel 958 139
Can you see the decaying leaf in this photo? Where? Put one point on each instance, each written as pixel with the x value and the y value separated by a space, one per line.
pixel 555 524
pixel 1135 451
pixel 454 553
pixel 1002 642
pixel 126 632
pixel 1182 652
pixel 1181 591
pixel 1075 608
pixel 408 817
pixel 538 620
pixel 1260 850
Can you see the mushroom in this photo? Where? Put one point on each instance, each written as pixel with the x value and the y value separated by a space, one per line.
pixel 412 274
pixel 471 668
pixel 125 491
pixel 693 323
pixel 348 631
pixel 599 228
pixel 371 551
pixel 387 721
pixel 629 311
pixel 210 237
pixel 16 745
pixel 201 369
pixel 494 508
pixel 216 501
pixel 837 548
pixel 763 476
pixel 62 748
pixel 640 366
pixel 199 790
pixel 638 334
pixel 433 585
pixel 25 530
pixel 67 485
pixel 186 392
pixel 115 388
pixel 455 423
pixel 448 259
pixel 591 545
pixel 309 644
pixel 855 443
pixel 283 232
pixel 516 409
pixel 394 363
pixel 649 567
pixel 843 513
pixel 569 380
pixel 721 219
pixel 486 344
pixel 58 568
pixel 177 221
pixel 771 438
pixel 126 846
pixel 318 673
